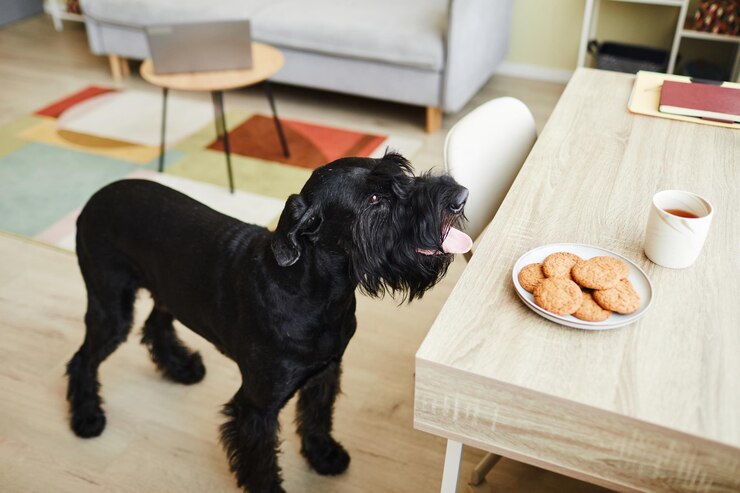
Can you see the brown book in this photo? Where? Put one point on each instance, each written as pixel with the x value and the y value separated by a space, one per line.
pixel 700 100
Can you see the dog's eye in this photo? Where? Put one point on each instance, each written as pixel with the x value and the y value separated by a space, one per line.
pixel 375 199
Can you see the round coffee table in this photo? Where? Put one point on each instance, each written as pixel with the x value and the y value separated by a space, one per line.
pixel 266 61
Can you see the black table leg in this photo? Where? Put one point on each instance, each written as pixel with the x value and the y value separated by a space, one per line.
pixel 278 126
pixel 222 132
pixel 165 91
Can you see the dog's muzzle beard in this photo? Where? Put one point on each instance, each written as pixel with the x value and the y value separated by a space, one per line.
pixel 405 253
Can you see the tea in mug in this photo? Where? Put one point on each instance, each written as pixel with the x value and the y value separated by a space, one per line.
pixel 681 213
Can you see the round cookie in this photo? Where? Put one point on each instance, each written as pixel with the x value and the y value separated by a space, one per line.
pixel 559 264
pixel 600 272
pixel 557 295
pixel 621 299
pixel 530 276
pixel 591 311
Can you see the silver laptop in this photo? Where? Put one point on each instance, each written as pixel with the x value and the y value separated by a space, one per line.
pixel 201 47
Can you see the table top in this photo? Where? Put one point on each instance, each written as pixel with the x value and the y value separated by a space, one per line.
pixel 590 179
pixel 266 61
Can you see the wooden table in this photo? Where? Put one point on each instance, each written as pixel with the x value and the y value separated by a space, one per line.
pixel 266 61
pixel 652 406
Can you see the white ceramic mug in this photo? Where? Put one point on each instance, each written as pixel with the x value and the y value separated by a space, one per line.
pixel 673 238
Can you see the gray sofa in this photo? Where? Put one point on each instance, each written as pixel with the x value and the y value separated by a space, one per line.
pixel 430 53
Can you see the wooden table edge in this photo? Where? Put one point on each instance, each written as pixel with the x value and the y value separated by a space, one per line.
pixel 525 459
pixel 570 438
pixel 568 402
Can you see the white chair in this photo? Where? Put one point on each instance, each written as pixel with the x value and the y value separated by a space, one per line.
pixel 484 152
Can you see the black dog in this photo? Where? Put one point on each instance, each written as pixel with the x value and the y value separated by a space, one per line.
pixel 281 305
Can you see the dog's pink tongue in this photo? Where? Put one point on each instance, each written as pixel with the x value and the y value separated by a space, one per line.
pixel 457 242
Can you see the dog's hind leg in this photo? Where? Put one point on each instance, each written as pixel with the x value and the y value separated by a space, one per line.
pixel 110 302
pixel 315 410
pixel 172 357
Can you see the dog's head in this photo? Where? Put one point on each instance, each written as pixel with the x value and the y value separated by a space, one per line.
pixel 397 230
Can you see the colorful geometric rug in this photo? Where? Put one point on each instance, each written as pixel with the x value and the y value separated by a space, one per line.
pixel 51 162
pixel 137 117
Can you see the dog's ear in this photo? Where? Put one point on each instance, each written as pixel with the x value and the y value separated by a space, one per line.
pixel 285 245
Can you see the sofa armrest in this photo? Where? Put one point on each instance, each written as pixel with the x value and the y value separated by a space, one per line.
pixel 477 41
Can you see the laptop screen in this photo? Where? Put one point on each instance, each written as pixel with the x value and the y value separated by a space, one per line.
pixel 201 47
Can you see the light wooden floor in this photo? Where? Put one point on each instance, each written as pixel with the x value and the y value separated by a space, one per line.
pixel 162 437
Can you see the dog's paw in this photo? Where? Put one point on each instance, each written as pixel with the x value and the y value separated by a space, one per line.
pixel 89 422
pixel 186 370
pixel 326 455
pixel 247 484
pixel 270 489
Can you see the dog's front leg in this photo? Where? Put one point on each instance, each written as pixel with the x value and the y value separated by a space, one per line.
pixel 315 411
pixel 250 440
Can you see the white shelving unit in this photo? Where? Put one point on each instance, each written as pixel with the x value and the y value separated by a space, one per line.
pixel 57 9
pixel 591 16
pixel 720 38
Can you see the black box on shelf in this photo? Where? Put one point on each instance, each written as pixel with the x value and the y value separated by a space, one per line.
pixel 622 57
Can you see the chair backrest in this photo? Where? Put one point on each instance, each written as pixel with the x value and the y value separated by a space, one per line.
pixel 484 152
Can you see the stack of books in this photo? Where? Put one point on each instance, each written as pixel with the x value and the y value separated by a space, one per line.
pixel 679 97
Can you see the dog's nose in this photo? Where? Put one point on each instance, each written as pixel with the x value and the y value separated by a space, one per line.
pixel 457 204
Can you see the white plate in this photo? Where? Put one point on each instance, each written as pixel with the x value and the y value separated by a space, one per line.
pixel 636 276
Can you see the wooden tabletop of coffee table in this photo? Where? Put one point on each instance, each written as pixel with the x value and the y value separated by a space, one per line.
pixel 266 61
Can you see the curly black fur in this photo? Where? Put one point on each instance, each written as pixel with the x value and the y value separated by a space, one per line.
pixel 280 304
pixel 413 214
pixel 250 439
pixel 315 412
pixel 169 354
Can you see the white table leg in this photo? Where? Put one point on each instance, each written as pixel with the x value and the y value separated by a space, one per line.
pixel 453 456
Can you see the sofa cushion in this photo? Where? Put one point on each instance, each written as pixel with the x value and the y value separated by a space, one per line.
pixel 151 12
pixel 402 32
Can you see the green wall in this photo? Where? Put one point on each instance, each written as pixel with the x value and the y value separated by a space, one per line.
pixel 547 32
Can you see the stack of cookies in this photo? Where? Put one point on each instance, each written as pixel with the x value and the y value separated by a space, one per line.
pixel 590 290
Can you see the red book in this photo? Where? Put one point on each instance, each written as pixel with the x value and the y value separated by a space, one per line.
pixel 700 100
